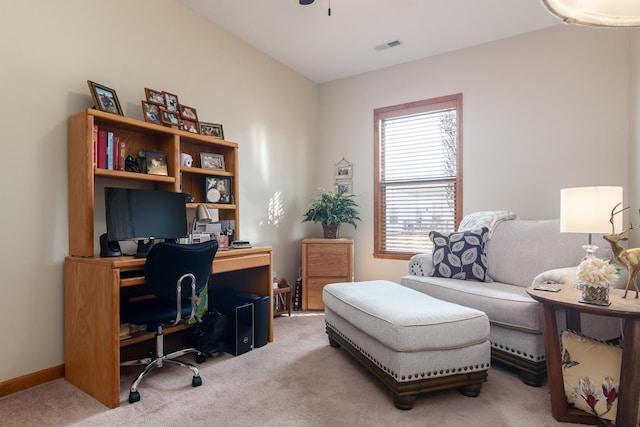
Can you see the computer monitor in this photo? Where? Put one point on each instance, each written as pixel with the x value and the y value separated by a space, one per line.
pixel 144 215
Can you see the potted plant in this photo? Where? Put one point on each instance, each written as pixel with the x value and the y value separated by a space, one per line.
pixel 332 209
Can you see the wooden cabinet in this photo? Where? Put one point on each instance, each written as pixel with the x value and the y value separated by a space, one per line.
pixel 324 261
pixel 139 136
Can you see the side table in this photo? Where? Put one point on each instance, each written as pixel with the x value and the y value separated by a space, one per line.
pixel 629 387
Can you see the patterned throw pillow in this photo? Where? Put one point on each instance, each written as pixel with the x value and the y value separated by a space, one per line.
pixel 461 255
pixel 591 373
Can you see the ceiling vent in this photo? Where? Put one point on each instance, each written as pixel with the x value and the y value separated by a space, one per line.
pixel 387 45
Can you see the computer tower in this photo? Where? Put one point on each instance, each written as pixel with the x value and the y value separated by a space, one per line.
pixel 239 336
pixel 260 317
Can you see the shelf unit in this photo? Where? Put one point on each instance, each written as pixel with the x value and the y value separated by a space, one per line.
pixel 139 136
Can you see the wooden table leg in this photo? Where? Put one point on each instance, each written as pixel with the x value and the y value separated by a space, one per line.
pixel 627 414
pixel 554 363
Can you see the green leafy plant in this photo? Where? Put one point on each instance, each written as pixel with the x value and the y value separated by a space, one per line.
pixel 328 207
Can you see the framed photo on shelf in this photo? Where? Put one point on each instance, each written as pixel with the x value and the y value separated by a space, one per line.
pixel 171 102
pixel 188 113
pixel 104 98
pixel 218 189
pixel 151 112
pixel 154 96
pixel 212 161
pixel 345 186
pixel 169 117
pixel 189 126
pixel 156 162
pixel 211 129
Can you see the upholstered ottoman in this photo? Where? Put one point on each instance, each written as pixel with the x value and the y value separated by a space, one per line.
pixel 413 342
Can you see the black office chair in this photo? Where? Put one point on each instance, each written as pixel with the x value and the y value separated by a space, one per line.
pixel 175 274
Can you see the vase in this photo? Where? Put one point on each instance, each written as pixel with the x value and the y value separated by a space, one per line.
pixel 598 295
pixel 330 230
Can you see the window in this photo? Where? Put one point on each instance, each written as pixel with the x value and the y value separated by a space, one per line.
pixel 418 174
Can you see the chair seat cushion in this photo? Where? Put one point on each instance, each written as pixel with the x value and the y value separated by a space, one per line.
pixel 153 311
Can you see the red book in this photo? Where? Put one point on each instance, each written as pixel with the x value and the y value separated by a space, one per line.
pixel 102 149
pixel 94 140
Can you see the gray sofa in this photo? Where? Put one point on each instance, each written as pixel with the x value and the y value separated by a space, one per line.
pixel 518 253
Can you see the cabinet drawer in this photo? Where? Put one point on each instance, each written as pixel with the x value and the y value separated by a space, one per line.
pixel 314 291
pixel 328 260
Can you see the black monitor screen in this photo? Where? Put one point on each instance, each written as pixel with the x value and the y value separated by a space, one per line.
pixel 144 214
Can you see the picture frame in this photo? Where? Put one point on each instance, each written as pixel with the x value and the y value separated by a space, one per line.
pixel 211 129
pixel 156 162
pixel 218 189
pixel 169 118
pixel 104 98
pixel 154 96
pixel 171 102
pixel 188 113
pixel 189 126
pixel 151 112
pixel 343 170
pixel 212 161
pixel 344 186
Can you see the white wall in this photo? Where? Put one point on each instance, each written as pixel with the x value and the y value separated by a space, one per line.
pixel 541 111
pixel 49 50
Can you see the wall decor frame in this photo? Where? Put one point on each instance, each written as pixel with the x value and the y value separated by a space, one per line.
pixel 170 118
pixel 188 113
pixel 344 169
pixel 151 112
pixel 104 98
pixel 154 96
pixel 171 102
pixel 344 186
pixel 212 129
pixel 212 161
pixel 218 189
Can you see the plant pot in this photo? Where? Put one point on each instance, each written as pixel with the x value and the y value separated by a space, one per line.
pixel 330 230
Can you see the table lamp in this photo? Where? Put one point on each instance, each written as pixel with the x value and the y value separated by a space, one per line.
pixel 588 210
pixel 202 217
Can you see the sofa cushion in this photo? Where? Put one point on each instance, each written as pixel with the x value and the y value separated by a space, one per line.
pixel 519 250
pixel 460 255
pixel 591 373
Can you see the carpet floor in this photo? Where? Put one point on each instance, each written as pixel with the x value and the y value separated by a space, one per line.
pixel 297 380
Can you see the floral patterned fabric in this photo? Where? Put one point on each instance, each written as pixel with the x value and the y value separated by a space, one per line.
pixel 460 255
pixel 591 373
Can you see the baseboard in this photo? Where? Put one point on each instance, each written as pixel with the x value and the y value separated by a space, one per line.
pixel 30 380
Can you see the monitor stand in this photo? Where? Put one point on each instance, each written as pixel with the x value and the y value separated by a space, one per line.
pixel 144 246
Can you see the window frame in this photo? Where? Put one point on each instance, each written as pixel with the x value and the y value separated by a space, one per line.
pixel 400 110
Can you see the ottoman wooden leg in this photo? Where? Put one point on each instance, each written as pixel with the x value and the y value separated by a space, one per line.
pixel 471 390
pixel 404 402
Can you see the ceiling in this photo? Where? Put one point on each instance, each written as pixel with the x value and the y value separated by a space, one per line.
pixel 324 48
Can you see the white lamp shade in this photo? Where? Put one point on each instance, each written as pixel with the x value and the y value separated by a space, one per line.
pixel 588 209
pixel 602 13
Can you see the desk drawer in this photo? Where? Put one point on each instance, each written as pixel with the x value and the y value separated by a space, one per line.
pixel 222 265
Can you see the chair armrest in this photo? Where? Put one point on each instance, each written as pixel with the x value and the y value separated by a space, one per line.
pixel 567 275
pixel 421 265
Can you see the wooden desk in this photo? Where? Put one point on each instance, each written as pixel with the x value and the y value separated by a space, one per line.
pixel 625 308
pixel 93 288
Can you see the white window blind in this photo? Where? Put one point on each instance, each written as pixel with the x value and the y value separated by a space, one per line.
pixel 417 173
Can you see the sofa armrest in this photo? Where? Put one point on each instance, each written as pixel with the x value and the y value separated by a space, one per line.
pixel 567 275
pixel 421 265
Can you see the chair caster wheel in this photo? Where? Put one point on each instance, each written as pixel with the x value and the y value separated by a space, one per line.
pixel 195 382
pixel 134 396
pixel 200 358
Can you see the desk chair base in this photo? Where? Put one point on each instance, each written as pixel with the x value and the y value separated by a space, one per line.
pixel 158 362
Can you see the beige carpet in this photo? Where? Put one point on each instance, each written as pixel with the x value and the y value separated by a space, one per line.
pixel 298 380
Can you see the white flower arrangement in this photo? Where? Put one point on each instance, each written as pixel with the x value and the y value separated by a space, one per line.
pixel 596 272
